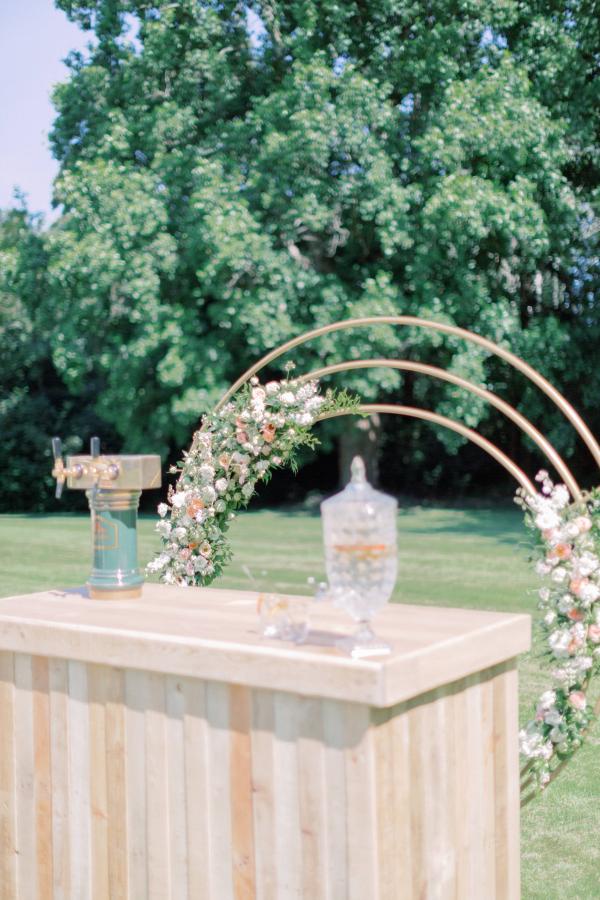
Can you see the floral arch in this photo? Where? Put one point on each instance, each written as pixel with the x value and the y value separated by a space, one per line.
pixel 255 428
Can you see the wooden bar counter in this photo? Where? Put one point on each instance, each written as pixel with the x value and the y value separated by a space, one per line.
pixel 160 748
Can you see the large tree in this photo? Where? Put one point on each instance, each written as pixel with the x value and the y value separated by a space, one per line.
pixel 234 173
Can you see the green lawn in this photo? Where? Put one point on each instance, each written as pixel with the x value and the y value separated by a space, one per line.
pixel 474 558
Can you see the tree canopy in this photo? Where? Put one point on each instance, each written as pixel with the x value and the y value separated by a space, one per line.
pixel 232 174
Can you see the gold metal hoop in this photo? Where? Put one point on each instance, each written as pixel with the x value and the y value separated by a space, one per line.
pixel 422 368
pixel 435 418
pixel 542 383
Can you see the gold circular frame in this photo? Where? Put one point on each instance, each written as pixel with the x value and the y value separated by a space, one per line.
pixel 428 415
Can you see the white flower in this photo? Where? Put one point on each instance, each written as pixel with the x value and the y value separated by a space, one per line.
pixel 287 398
pixel 583 523
pixel 571 530
pixel 272 387
pixel 220 506
pixel 542 475
pixel 565 604
pixel 180 533
pixel 553 717
pixel 314 403
pixel 548 699
pixel 589 593
pixel 559 574
pixel 262 465
pixel 221 485
pixel 248 490
pixel 560 496
pixel 179 499
pixel 586 564
pixel 305 419
pixel 559 642
pixel 206 472
pixel 208 494
pixel 162 509
pixel 259 394
pixel 163 528
pixel 550 617
pixel 547 519
pixel 542 568
pixel 158 563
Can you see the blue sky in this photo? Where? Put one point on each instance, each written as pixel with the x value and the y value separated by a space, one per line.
pixel 34 38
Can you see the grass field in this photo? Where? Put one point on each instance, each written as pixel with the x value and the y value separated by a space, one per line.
pixel 448 557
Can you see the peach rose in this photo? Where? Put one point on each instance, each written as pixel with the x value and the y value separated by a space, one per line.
pixel 224 460
pixel 241 437
pixel 561 551
pixel 583 523
pixel 577 584
pixel 594 634
pixel 575 615
pixel 577 700
pixel 194 506
pixel 268 433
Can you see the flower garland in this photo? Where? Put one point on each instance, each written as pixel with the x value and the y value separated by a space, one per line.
pixel 568 559
pixel 235 449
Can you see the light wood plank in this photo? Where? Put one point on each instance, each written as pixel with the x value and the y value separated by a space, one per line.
pixel 263 726
pixel 363 869
pixel 116 784
pixel 288 846
pixel 214 635
pixel 43 777
pixel 175 744
pixel 197 788
pixel 80 813
pixel 25 782
pixel 59 755
pixel 97 696
pixel 219 790
pixel 240 774
pixel 506 783
pixel 334 736
pixel 157 800
pixel 8 780
pixel 311 796
pixel 135 767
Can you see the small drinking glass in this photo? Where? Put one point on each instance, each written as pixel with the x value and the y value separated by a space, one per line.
pixel 281 617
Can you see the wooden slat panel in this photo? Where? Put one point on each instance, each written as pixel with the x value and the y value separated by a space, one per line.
pixel 157 801
pixel 506 783
pixel 59 755
pixel 8 776
pixel 80 813
pixel 97 696
pixel 116 784
pixel 334 735
pixel 287 847
pixel 263 724
pixel 197 788
pixel 311 796
pixel 363 870
pixel 135 756
pixel 219 790
pixel 42 777
pixel 175 744
pixel 25 757
pixel 240 774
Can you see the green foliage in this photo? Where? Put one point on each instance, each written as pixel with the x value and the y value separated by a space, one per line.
pixel 232 174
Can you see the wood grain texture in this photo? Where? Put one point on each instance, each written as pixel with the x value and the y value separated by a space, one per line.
pixel 213 634
pixel 8 778
pixel 129 784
